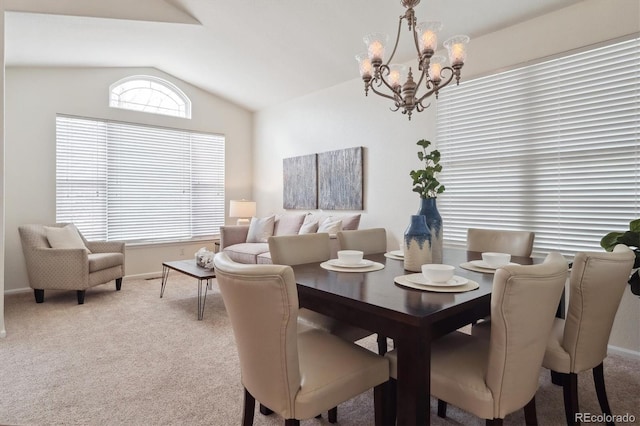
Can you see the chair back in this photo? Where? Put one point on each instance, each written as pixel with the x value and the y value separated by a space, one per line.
pixel 299 249
pixel 598 281
pixel 369 241
pixel 523 305
pixel 262 304
pixel 516 243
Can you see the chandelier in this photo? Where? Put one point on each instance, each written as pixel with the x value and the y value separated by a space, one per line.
pixel 393 81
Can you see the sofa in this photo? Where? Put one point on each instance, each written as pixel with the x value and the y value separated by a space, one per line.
pixel 248 243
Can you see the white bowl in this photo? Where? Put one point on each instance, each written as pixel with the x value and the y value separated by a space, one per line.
pixel 350 257
pixel 496 260
pixel 438 273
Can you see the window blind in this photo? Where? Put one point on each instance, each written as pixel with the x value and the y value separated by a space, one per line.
pixel 138 183
pixel 551 147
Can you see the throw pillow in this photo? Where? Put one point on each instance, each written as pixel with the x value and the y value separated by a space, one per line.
pixel 309 228
pixel 260 229
pixel 330 226
pixel 288 223
pixel 350 223
pixel 66 237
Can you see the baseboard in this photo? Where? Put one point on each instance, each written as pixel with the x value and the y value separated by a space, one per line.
pixel 624 352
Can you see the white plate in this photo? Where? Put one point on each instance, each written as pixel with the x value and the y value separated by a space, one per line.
pixel 363 264
pixel 483 264
pixel 421 279
pixel 398 253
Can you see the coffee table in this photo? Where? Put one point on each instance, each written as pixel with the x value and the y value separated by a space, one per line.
pixel 189 267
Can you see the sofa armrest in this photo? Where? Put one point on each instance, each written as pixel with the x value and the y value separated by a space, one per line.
pixel 233 234
pixel 45 271
pixel 106 246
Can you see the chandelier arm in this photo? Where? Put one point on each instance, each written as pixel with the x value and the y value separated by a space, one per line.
pixel 383 80
pixel 384 95
pixel 438 87
pixel 397 41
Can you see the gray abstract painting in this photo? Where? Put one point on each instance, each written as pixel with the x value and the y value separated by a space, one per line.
pixel 340 179
pixel 300 185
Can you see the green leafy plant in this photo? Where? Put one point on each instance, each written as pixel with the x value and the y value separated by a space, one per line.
pixel 631 239
pixel 425 182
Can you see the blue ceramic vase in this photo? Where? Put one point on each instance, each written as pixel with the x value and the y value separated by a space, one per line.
pixel 429 209
pixel 417 244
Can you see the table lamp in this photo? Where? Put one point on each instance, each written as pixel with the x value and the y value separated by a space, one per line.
pixel 243 210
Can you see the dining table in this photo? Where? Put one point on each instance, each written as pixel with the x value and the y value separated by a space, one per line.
pixel 412 317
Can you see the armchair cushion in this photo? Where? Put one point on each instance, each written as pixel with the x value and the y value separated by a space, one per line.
pixel 64 237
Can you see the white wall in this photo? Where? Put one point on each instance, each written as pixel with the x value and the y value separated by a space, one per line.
pixel 341 117
pixel 3 331
pixel 35 95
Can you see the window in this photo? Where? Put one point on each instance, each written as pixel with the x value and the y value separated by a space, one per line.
pixel 149 94
pixel 551 147
pixel 137 183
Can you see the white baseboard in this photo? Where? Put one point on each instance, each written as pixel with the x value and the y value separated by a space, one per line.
pixel 624 352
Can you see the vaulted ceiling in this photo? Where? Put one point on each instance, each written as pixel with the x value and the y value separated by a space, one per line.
pixel 255 53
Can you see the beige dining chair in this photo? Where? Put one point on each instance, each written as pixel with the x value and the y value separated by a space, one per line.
pixel 297 374
pixel 516 243
pixel 311 248
pixel 579 343
pixel 368 241
pixel 492 377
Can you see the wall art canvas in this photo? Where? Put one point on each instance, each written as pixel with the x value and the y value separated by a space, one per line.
pixel 300 186
pixel 340 179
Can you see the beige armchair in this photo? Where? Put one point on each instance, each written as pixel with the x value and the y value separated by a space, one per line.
pixel 69 268
pixel 499 375
pixel 297 374
pixel 516 243
pixel 579 343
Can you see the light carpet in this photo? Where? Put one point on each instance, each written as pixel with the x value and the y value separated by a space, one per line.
pixel 131 358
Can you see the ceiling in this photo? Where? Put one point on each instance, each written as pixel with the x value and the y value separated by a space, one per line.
pixel 255 53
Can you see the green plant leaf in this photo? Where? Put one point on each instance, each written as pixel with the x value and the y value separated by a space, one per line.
pixel 634 225
pixel 609 241
pixel 631 239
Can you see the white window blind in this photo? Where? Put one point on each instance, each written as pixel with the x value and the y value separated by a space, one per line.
pixel 551 148
pixel 138 183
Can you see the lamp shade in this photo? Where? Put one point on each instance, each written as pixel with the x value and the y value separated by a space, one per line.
pixel 242 208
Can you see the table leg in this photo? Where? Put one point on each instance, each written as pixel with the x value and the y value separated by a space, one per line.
pixel 201 299
pixel 165 275
pixel 413 385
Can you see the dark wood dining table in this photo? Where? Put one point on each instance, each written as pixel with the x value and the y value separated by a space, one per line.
pixel 412 318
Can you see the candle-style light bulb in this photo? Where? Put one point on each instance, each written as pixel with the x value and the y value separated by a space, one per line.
pixel 456 46
pixel 376 43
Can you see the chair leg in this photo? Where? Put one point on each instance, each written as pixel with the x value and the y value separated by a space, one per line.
pixel 382 344
pixel 249 408
pixel 379 394
pixel 494 422
pixel 118 283
pixel 530 416
pixel 292 422
pixel 264 410
pixel 333 415
pixel 39 295
pixel 556 378
pixel 80 294
pixel 442 408
pixel 570 393
pixel 598 380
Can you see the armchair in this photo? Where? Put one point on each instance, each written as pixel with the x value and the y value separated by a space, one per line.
pixel 69 268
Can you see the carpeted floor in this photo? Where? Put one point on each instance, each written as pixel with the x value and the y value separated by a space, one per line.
pixel 131 358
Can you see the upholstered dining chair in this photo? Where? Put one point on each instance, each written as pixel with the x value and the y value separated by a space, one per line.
pixel 58 257
pixel 516 243
pixel 492 377
pixel 368 241
pixel 309 248
pixel 297 374
pixel 579 342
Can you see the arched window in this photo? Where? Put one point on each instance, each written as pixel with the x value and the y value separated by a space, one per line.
pixel 149 94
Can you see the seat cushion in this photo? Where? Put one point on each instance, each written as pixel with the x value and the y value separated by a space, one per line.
pixel 246 252
pixel 334 371
pixel 458 369
pixel 100 261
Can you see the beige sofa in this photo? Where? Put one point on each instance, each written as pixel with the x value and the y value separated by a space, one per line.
pixel 248 243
